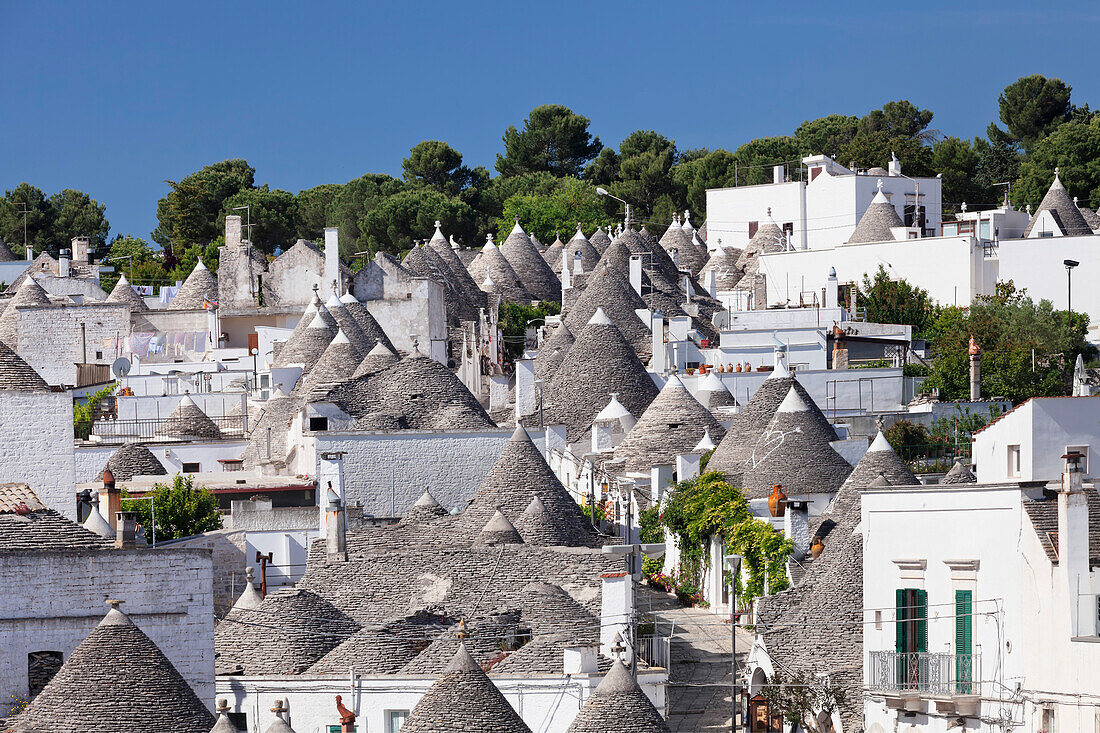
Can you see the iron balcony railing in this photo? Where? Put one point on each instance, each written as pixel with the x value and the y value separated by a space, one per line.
pixel 231 427
pixel 931 673
pixel 656 651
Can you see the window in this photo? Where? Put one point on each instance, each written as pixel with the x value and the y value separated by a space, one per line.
pixel 41 667
pixel 318 423
pixel 98 355
pixel 191 468
pixel 239 720
pixel 336 729
pixel 395 719
pixel 911 637
pixel 1014 461
pixel 964 641
pixel 1083 450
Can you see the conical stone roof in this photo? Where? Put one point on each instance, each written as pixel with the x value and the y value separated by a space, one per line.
pixel 424 509
pixel 372 330
pixel 533 271
pixel 16 375
pixel 346 323
pixel 552 352
pixel 875 224
pixel 537 527
pixel 768 238
pixel 494 274
pixel 376 360
pixel 714 394
pixel 199 287
pixel 287 633
pixel 123 293
pixel 688 256
pixel 618 705
pixel 277 414
pixel 610 291
pixel 336 365
pixel 600 362
pixel 134 459
pixel 747 425
pixel 463 699
pixel 960 473
pixel 723 263
pixel 880 460
pixel 1091 218
pixel 306 347
pixel 424 262
pixel 29 293
pixel 519 475
pixel 794 452
pixel 1064 211
pixel 381 648
pixel 599 240
pixel 579 244
pixel 223 724
pixel 189 421
pixel 466 284
pixel 672 424
pixel 115 681
pixel 6 255
pixel 552 254
pixel 499 531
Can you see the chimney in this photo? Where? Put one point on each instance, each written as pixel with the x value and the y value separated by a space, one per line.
pixel 895 166
pixel 832 291
pixel 678 327
pixel 659 362
pixel 526 394
pixel 566 273
pixel 80 248
pixel 778 174
pixel 636 273
pixel 29 253
pixel 580 660
pixel 578 264
pixel 233 231
pixel 281 711
pixel 710 283
pixel 975 371
pixel 1073 547
pixel 675 253
pixel 126 530
pixel 796 527
pixel 110 499
pixel 611 425
pixel 616 610
pixel 336 541
pixel 63 263
pixel 332 261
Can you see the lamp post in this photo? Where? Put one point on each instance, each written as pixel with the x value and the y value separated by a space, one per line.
pixel 733 562
pixel 1070 264
pixel 916 204
pixel 255 377
pixel 24 211
pixel 604 192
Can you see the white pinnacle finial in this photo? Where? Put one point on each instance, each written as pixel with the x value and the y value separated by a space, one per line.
pixel 437 224
pixel 1055 171
pixel 1074 200
pixel 964 206
pixel 489 238
pixel 880 184
pixel 769 211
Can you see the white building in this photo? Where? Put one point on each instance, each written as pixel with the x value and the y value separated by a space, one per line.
pixel 820 207
pixel 980 606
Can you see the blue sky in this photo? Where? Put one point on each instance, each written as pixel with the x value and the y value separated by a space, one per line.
pixel 113 98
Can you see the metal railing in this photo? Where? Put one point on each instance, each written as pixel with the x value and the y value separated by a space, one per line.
pixel 656 651
pixel 933 457
pixel 933 673
pixel 122 431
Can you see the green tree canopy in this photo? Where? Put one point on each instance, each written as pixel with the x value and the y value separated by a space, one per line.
pixel 560 210
pixel 315 210
pixel 896 301
pixel 554 139
pixel 830 135
pixel 189 213
pixel 409 215
pixel 1073 148
pixel 957 161
pixel 437 165
pixel 181 508
pixel 353 202
pixel 273 214
pixel 1028 348
pixel 713 169
pixel 76 214
pixel 39 219
pixel 1032 107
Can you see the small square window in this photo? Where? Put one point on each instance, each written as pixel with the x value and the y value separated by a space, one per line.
pixel 239 720
pixel 99 355
pixel 1014 461
pixel 395 719
pixel 191 468
pixel 318 423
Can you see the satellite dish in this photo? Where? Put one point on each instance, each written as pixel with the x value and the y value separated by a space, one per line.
pixel 120 367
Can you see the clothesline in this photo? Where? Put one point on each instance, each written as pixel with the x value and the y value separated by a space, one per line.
pixel 172 343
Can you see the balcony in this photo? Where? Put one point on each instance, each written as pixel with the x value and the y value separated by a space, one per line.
pixel 909 679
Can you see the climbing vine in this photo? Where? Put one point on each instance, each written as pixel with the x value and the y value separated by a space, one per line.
pixel 708 506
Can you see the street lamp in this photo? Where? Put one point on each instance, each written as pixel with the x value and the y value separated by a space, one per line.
pixel 604 192
pixel 1070 264
pixel 916 203
pixel 733 563
pixel 255 379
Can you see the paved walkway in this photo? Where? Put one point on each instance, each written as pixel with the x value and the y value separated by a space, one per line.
pixel 700 681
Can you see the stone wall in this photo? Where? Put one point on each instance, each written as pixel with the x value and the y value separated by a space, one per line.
pixel 417 308
pixel 229 558
pixel 52 600
pixel 384 469
pixel 294 273
pixel 36 446
pixel 50 338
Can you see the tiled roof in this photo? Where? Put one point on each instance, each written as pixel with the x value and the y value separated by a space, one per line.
pixel 1043 514
pixel 116 681
pixel 19 497
pixel 673 424
pixel 200 286
pixel 463 699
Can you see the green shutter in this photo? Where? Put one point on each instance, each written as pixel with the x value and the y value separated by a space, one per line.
pixel 901 638
pixel 964 640
pixel 920 613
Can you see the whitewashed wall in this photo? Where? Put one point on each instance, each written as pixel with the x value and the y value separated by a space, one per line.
pixel 1044 429
pixel 52 600
pixel 50 337
pixel 36 446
